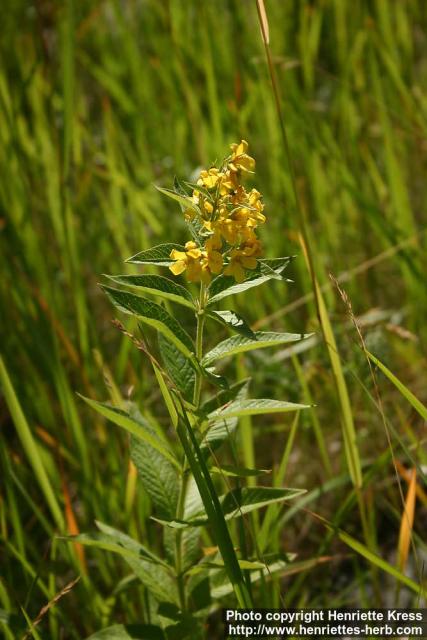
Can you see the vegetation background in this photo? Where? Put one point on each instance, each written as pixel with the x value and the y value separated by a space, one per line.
pixel 101 99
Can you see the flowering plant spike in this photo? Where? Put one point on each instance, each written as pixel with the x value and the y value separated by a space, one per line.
pixel 227 217
pixel 186 473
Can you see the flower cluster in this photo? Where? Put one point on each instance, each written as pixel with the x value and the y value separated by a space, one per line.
pixel 225 216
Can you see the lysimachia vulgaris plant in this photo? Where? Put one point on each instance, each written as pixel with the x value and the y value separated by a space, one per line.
pixel 183 474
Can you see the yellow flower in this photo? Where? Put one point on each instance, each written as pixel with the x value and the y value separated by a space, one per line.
pixel 228 215
pixel 243 258
pixel 228 183
pixel 215 261
pixel 214 257
pixel 240 159
pixel 189 214
pixel 184 259
pixel 209 178
pixel 254 199
pixel 229 229
pixel 199 264
pixel 208 207
pixel 214 242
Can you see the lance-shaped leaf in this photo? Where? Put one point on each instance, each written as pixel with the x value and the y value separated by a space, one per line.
pixel 179 368
pixel 238 502
pixel 124 420
pixel 159 255
pixel 223 286
pixel 254 407
pixel 158 286
pixel 234 321
pixel 214 378
pixel 191 537
pixel 129 632
pixel 218 563
pixel 154 315
pixel 413 400
pixel 195 225
pixel 157 474
pixel 221 586
pixel 219 430
pixel 106 542
pixel 224 396
pixel 246 499
pixel 240 344
pixel 158 578
pixel 238 472
pixel 185 201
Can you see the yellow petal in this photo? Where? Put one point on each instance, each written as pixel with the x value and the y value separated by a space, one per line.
pixel 178 267
pixel 245 162
pixel 205 275
pixel 214 242
pixel 194 271
pixel 177 255
pixel 236 270
pixel 194 253
pixel 215 261
pixel 241 148
pixel 249 263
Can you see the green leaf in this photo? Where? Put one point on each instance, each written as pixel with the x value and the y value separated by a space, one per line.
pixel 214 378
pixel 129 632
pixel 413 400
pixel 234 321
pixel 246 499
pixel 25 434
pixel 156 577
pixel 105 542
pixel 159 255
pixel 381 564
pixel 124 420
pixel 238 472
pixel 178 367
pixel 254 407
pixel 153 315
pixel 190 540
pixel 219 430
pixel 223 286
pixel 158 476
pixel 240 344
pixel 208 493
pixel 218 563
pixel 167 397
pixel 157 285
pixel 221 586
pixel 224 396
pixel 348 429
pixel 237 503
pixel 185 201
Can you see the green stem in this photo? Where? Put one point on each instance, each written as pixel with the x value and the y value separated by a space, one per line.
pixel 213 510
pixel 202 476
pixel 180 511
pixel 200 316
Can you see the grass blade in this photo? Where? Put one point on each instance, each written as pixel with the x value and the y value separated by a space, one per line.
pixel 413 400
pixel 30 445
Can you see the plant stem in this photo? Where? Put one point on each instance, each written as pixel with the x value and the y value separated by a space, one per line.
pixel 202 476
pixel 180 512
pixel 200 317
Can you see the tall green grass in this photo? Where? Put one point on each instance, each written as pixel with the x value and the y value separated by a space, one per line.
pixel 98 101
